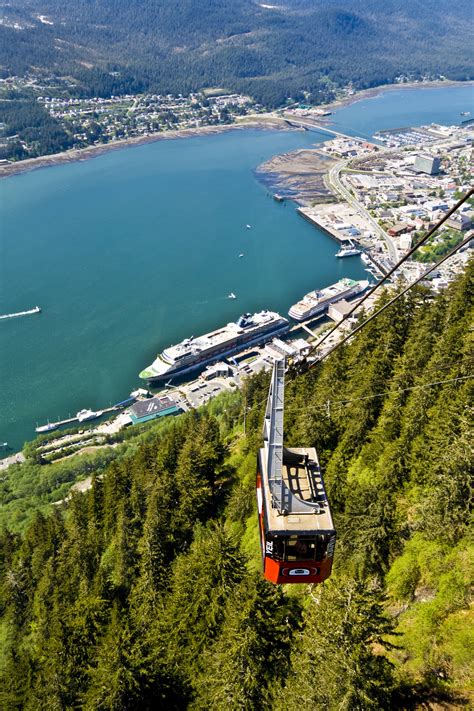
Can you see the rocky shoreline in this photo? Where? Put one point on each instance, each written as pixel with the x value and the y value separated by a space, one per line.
pixel 270 121
pixel 265 122
pixel 298 175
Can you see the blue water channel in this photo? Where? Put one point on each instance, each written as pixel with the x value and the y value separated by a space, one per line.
pixel 138 248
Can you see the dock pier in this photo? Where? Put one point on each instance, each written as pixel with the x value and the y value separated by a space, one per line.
pixel 68 421
pixel 333 233
pixel 308 330
pixel 376 266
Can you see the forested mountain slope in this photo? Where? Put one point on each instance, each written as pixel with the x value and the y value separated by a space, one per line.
pixel 145 593
pixel 270 50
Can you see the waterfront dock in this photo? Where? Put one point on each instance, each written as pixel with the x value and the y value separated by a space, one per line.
pixel 51 426
pixel 308 214
pixel 373 265
pixel 308 330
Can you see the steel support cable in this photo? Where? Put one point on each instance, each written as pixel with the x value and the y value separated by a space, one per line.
pixel 392 392
pixel 394 378
pixel 395 298
pixel 389 303
pixel 447 366
pixel 387 276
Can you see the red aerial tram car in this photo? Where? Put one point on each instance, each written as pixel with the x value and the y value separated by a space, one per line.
pixel 296 529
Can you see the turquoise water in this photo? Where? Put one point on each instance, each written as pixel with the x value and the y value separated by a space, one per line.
pixel 138 248
pixel 405 107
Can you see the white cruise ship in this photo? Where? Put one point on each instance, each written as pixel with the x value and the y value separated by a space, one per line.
pixel 316 302
pixel 196 353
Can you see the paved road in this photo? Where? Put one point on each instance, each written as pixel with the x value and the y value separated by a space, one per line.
pixel 335 184
pixel 313 126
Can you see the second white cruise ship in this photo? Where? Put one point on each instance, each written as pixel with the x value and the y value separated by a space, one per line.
pixel 316 301
pixel 195 353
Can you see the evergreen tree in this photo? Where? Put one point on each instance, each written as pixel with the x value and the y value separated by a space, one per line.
pixel 136 593
pixel 250 654
pixel 202 581
pixel 337 660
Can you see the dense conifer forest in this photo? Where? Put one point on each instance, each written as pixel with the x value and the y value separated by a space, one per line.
pixel 297 50
pixel 145 591
pixel 272 51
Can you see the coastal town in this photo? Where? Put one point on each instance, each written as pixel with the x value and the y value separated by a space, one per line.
pixel 97 120
pixel 375 198
pixel 236 271
pixel 382 197
pixel 68 122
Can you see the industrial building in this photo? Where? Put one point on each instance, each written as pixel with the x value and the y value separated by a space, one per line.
pixel 146 410
pixel 459 222
pixel 337 312
pixel 399 228
pixel 427 164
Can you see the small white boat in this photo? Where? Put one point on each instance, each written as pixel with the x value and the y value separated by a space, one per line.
pixel 231 295
pixel 46 428
pixel 36 310
pixel 85 415
pixel 348 252
pixel 241 255
pixel 249 227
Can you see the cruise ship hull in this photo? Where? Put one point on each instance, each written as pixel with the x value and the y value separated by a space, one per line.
pixel 247 341
pixel 320 306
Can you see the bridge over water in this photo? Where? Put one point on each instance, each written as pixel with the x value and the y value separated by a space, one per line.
pixel 310 126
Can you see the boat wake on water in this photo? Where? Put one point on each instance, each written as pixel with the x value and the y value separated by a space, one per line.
pixel 36 310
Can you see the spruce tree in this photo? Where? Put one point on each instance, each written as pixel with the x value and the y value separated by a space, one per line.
pixel 337 660
pixel 250 654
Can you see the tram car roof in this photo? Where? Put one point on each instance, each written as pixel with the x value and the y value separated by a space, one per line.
pixel 304 507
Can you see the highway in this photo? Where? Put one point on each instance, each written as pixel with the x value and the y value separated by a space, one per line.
pixel 334 183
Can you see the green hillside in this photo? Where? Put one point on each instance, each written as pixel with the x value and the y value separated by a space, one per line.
pixel 270 50
pixel 145 591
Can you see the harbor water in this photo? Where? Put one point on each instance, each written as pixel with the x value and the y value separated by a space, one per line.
pixel 139 248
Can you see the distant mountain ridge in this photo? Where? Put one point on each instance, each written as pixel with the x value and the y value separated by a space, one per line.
pixel 271 50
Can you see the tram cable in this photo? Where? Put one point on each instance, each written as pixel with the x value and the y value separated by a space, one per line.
pixel 446 366
pixel 297 534
pixel 394 392
pixel 387 276
pixel 385 306
pixel 300 367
